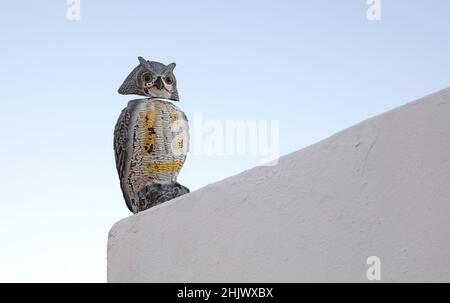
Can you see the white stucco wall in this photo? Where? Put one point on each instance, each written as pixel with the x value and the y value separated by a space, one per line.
pixel 380 188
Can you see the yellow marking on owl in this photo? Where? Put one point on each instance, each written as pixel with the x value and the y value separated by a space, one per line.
pixel 173 113
pixel 174 117
pixel 179 142
pixel 163 167
pixel 148 124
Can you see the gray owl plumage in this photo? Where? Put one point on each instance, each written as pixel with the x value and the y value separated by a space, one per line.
pixel 151 137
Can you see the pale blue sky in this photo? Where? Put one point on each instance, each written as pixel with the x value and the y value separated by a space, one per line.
pixel 316 66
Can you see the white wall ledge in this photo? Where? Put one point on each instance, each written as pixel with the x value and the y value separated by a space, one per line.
pixel 380 188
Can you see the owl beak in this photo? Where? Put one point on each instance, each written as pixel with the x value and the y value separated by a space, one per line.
pixel 159 83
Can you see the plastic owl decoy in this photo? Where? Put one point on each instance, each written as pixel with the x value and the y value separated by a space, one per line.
pixel 151 137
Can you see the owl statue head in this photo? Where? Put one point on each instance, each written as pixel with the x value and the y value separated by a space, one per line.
pixel 151 79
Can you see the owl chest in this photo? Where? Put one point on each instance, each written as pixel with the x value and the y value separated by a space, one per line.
pixel 158 141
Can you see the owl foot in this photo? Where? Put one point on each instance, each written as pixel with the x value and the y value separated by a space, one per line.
pixel 154 194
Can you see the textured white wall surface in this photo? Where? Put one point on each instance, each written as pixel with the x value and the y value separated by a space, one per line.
pixel 380 188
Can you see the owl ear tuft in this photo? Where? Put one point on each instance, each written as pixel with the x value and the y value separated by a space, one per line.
pixel 171 66
pixel 142 61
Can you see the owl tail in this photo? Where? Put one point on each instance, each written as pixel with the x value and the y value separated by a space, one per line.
pixel 154 194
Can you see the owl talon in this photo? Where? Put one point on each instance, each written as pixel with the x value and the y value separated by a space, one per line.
pixel 154 194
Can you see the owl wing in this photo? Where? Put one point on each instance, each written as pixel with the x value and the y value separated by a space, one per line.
pixel 185 133
pixel 121 133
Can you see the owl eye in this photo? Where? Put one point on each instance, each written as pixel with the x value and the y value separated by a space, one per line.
pixel 148 77
pixel 168 80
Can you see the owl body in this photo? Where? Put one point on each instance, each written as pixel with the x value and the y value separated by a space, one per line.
pixel 151 140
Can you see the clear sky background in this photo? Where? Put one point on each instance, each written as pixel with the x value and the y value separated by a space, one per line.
pixel 316 66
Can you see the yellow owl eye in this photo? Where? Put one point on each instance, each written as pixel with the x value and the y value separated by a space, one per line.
pixel 168 80
pixel 148 77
